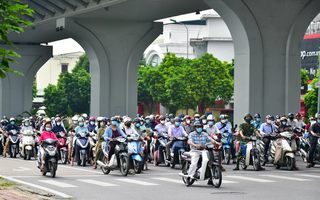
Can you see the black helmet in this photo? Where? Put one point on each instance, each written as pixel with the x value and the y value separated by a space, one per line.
pixel 171 115
pixel 203 117
pixel 136 120
pixel 167 115
pixel 247 115
pixel 268 116
pixel 257 115
pixel 197 123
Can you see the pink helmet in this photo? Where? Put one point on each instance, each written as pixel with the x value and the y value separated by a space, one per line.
pixel 92 119
pixel 186 117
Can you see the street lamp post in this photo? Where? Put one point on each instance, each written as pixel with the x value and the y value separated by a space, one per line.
pixel 187 35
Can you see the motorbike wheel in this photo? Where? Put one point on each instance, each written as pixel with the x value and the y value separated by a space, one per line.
pixel 104 169
pixel 124 165
pixel 172 165
pixel 137 166
pixel 44 172
pixel 290 163
pixel 28 155
pixel 185 168
pixel 216 176
pixel 53 169
pixel 243 163
pixel 256 161
pixel 227 156
pixel 14 153
pixel 84 160
pixel 166 162
pixel 64 156
pixel 25 155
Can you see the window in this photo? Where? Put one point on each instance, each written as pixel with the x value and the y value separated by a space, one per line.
pixel 155 61
pixel 64 68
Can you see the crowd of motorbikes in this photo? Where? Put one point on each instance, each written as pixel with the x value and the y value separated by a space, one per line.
pixel 132 152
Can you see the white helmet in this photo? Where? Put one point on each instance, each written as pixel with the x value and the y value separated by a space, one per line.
pixel 127 119
pixel 99 119
pixel 48 120
pixel 84 115
pixel 12 119
pixel 81 119
pixel 211 117
pixel 196 115
pixel 75 118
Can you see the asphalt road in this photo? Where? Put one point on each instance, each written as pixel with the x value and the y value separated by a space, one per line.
pixel 164 183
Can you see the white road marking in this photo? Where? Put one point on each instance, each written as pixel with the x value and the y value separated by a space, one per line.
pixel 97 182
pixel 136 182
pixel 170 180
pixel 20 169
pixel 57 183
pixel 63 195
pixel 75 168
pixel 286 178
pixel 308 175
pixel 228 182
pixel 251 179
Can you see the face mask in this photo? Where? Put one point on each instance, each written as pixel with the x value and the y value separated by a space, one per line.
pixel 188 121
pixel 278 120
pixel 223 121
pixel 44 123
pixel 75 122
pixel 291 118
pixel 48 129
pixel 128 125
pixel 26 124
pixel 318 121
pixel 167 119
pixel 199 130
pixel 197 119
pixel 284 123
pixel 210 123
pixel 269 121
pixel 248 120
pixel 102 124
pixel 204 121
pixel 92 123
pixel 177 123
pixel 148 121
pixel 12 123
pixel 80 123
pixel 137 125
pixel 58 123
pixel 114 123
pixel 162 122
pixel 108 123
pixel 258 119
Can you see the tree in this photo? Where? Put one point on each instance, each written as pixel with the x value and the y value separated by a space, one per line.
pixel 10 22
pixel 230 67
pixel 82 63
pixel 144 95
pixel 54 99
pixel 311 97
pixel 304 77
pixel 34 89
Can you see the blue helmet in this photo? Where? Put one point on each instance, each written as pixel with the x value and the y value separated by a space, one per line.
pixel 114 119
pixel 106 118
pixel 257 115
pixel 290 114
pixel 221 116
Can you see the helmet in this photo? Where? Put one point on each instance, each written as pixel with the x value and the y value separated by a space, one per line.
pixel 203 117
pixel 247 115
pixel 99 119
pixel 181 116
pixel 196 115
pixel 318 116
pixel 147 117
pixel 136 120
pixel 75 118
pixel 92 119
pixel 283 119
pixel 290 114
pixel 152 117
pixel 222 117
pixel 268 116
pixel 106 118
pixel 48 120
pixel 171 115
pixel 167 115
pixel 127 119
pixel 197 123
pixel 114 119
pixel 84 115
pixel 277 116
pixel 177 119
pixel 80 119
pixel 26 120
pixel 4 117
pixel 57 119
pixel 187 117
pixel 162 117
pixel 210 118
pixel 311 118
pixel 226 116
pixel 57 115
pixel 257 115
pixel 298 114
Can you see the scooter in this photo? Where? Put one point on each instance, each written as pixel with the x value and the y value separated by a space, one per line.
pixel 288 150
pixel 301 143
pixel 271 152
pixel 135 153
pixel 27 144
pixel 50 157
pixel 250 154
pixel 119 159
pixel 316 155
pixel 163 138
pixel 13 143
pixel 208 166
pixel 82 149
pixel 63 147
pixel 178 148
pixel 93 143
pixel 226 142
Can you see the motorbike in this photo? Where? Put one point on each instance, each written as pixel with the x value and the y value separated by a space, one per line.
pixel 82 145
pixel 163 138
pixel 208 166
pixel 120 156
pixel 316 155
pixel 250 154
pixel 93 143
pixel 288 150
pixel 271 152
pixel 13 143
pixel 226 142
pixel 178 148
pixel 27 145
pixel 62 147
pixel 135 153
pixel 50 157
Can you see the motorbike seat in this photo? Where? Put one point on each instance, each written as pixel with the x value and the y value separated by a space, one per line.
pixel 187 154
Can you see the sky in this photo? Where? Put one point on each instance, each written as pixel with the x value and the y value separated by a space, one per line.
pixel 69 45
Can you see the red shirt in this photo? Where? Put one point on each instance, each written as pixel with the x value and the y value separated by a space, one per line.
pixel 308 127
pixel 45 135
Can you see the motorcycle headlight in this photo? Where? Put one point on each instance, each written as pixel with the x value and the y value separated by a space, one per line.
pixel 318 140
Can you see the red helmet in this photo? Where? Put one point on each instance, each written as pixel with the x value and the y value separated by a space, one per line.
pixel 298 114
pixel 186 117
pixel 162 117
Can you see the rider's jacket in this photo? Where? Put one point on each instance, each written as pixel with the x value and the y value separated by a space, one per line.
pixel 247 130
pixel 211 130
pixel 161 129
pixel 282 128
pixel 91 128
pixel 257 125
pixel 267 129
pixel 56 129
pixel 201 139
pixel 223 127
pixel 14 127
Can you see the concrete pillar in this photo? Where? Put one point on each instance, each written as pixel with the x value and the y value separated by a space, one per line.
pixel 16 90
pixel 114 49
pixel 267 38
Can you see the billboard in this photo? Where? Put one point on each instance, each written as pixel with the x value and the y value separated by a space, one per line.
pixel 310 52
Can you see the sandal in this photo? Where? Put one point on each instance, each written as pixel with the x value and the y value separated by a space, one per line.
pixel 95 166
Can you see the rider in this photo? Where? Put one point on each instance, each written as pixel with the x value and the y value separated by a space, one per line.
pixel 299 122
pixel 71 134
pixel 267 128
pixel 27 126
pixel 187 125
pixel 139 130
pixel 128 130
pixel 257 121
pixel 152 123
pixel 4 121
pixel 277 122
pixel 203 119
pixel 246 129
pixel 92 124
pixel 174 131
pixel 160 128
pixel 111 132
pixel 102 123
pixel 171 120
pixel 313 136
pixel 196 117
pixel 291 122
pixel 45 135
pixel 11 126
pixel 223 126
pixel 86 121
pixel 197 139
pixel 58 127
pixel 311 120
pixel 167 118
pixel 284 127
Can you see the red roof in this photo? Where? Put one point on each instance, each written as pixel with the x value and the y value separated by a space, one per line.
pixel 313 36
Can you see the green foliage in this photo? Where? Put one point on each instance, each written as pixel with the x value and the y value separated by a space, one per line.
pixel 144 95
pixel 34 89
pixel 311 97
pixel 82 63
pixel 10 22
pixel 304 77
pixel 230 67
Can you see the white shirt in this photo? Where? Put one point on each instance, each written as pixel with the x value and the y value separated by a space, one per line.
pixel 211 130
pixel 292 123
pixel 299 123
pixel 130 131
pixel 168 125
